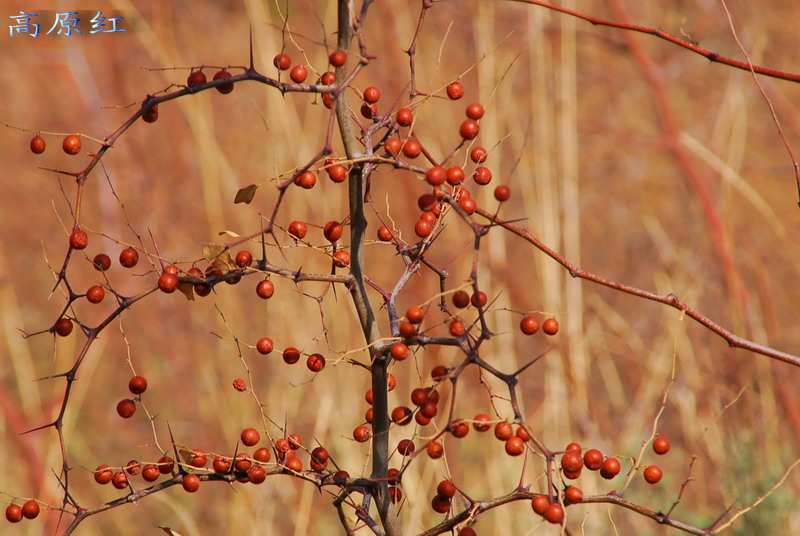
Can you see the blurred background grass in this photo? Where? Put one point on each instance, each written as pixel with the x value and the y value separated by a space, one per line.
pixel 574 128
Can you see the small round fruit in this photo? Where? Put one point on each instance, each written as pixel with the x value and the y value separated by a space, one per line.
pixel 573 494
pixel 306 180
pixel 457 328
pixel 327 100
pixel 467 204
pixel 338 58
pixel 502 193
pixel 196 78
pixel 262 455
pixel 482 176
pixel 574 446
pixel 103 474
pixel 320 455
pixel 38 145
pixel 242 464
pixel 439 373
pixel 610 468
pixel 446 489
pixel 455 175
pixel 150 473
pixel 481 423
pixel 328 78
pixel 119 480
pixel 529 325
pixel 395 494
pixel 191 483
pixel 661 445
pixel 298 229
pixel 168 283
pixel 415 314
pixel 151 115
pixel 291 355
pixel 72 144
pixel 101 262
pixel 405 447
pixel 133 467
pixel 79 239
pixel 652 474
pixel 401 415
pixel 265 345
pixel 341 258
pixel 250 436
pixel 265 289
pixel 361 434
pixel 243 259
pixel 13 513
pixel 63 327
pixel 222 464
pixel 407 330
pixel 440 504
pixel 436 175
pixel 95 294
pixel 459 428
pixel 128 257
pixel 257 474
pixel 503 431
pixel 554 514
pixel 571 461
pixel 515 446
pixel 475 111
pixel 467 531
pixel 337 173
pixel 333 231
pixel 593 459
pixel 282 61
pixel 223 88
pixel 412 148
pixel 384 234
pixel 240 385
pixel 298 74
pixel 550 326
pixel 393 146
pixel 137 385
pixel 372 95
pixel 165 465
pixel 539 504
pixel 404 117
pixel 126 408
pixel 315 362
pixel 455 90
pixel 460 299
pixel 469 129
pixel 481 298
pixel 423 228
pixel 478 155
pixel 399 351
pixel 435 450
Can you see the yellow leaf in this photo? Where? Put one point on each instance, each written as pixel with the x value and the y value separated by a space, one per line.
pixel 246 194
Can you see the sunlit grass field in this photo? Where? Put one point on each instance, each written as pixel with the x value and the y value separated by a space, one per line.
pixel 609 142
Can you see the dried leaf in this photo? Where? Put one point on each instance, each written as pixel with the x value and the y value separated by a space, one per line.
pixel 229 233
pixel 188 290
pixel 246 194
pixel 170 531
pixel 219 256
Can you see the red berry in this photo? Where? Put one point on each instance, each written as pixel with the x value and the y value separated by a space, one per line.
pixel 440 504
pixel 101 262
pixel 573 494
pixel 191 483
pixel 550 326
pixel 243 259
pixel 224 88
pixel 523 434
pixel 475 111
pixel 395 494
pixel 405 447
pixel 250 436
pixel 103 474
pixel 455 175
pixel 401 415
pixel 554 514
pixel 423 228
pixel 333 231
pixel 119 480
pixel 515 446
pixel 79 239
pixel 460 299
pixel 661 445
pixel 502 193
pixel 467 204
pixel 328 78
pixel 291 355
pixel 482 176
pixel 539 504
pixel 574 446
pixel 469 129
pixel 415 314
pixel 372 95
pixel 13 513
pixel 327 100
pixel 341 258
pixel 319 455
pixel 459 428
pixel 338 58
pixel 653 474
pixel 529 325
pixel 481 423
pixel 412 148
pixel 150 473
pixel 38 145
pixel 455 90
pixel 384 234
pixel 298 74
pixel 165 465
pixel 479 298
pixel 446 489
pixel 298 229
pixel 478 155
pixel 129 257
pixel 137 385
pixel 240 385
pixel 63 327
pixel 126 408
pixel 262 455
pixel 593 459
pixel 265 289
pixel 265 345
pixel 436 175
pixel 457 328
pixel 306 180
pixel 168 283
pixel 196 78
pixel 337 173
pixel 399 351
pixel 610 468
pixel 393 146
pixel 435 450
pixel 151 114
pixel 315 362
pixel 361 434
pixel 467 531
pixel 257 474
pixel 439 373
pixel 571 461
pixel 95 294
pixel 404 117
pixel 133 467
pixel 72 144
pixel 503 431
pixel 242 464
pixel 282 61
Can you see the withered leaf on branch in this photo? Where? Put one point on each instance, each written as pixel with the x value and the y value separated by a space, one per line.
pixel 219 256
pixel 246 194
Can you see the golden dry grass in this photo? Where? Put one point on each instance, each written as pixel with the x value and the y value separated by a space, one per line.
pixel 574 130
